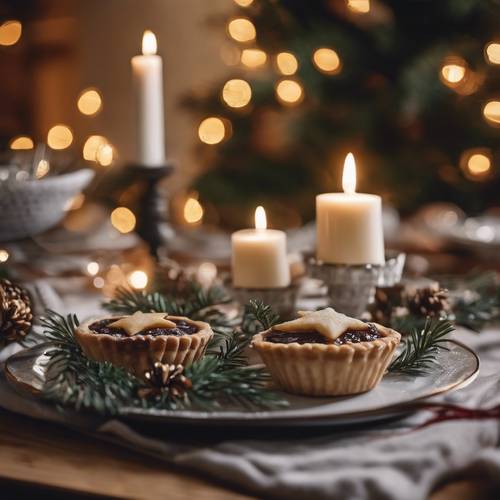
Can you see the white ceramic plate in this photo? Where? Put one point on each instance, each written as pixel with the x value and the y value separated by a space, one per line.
pixel 395 395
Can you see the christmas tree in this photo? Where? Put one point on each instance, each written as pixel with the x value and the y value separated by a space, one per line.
pixel 409 87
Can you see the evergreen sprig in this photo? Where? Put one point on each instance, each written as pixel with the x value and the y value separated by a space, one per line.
pixel 475 299
pixel 421 347
pixel 222 376
pixel 76 381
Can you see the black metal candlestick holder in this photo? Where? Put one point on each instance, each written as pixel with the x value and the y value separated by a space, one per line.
pixel 152 208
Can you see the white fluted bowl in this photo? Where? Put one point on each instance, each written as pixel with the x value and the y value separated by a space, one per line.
pixel 31 207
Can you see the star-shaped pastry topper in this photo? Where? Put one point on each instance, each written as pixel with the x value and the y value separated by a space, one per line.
pixel 327 322
pixel 140 321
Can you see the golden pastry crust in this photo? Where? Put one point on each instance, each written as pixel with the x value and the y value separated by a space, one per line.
pixel 138 353
pixel 328 369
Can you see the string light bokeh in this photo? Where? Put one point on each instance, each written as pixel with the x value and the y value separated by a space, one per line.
pixel 211 130
pixel 491 112
pixel 193 211
pixel 286 63
pixel 123 219
pixel 476 163
pixel 289 92
pixel 236 93
pixel 253 58
pixel 59 137
pixel 21 142
pixel 492 53
pixel 327 60
pixel 359 6
pixel 89 102
pixel 241 30
pixel 10 32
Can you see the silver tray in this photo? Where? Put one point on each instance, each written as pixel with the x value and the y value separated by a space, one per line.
pixel 395 395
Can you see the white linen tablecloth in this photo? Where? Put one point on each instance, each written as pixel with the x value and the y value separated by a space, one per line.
pixel 395 460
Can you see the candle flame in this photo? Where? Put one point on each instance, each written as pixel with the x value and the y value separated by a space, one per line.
pixel 260 218
pixel 149 45
pixel 349 175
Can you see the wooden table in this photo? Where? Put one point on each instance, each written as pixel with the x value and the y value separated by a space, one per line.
pixel 52 462
pixel 46 460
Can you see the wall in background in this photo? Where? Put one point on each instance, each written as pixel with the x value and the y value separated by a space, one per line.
pixel 68 46
pixel 110 34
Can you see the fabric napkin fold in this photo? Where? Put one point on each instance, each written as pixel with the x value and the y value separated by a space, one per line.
pixel 392 460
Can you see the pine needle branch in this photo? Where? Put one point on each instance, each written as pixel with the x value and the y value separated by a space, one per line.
pixel 421 348
pixel 221 378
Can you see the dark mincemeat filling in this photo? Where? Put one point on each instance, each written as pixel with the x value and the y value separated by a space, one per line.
pixel 313 337
pixel 182 328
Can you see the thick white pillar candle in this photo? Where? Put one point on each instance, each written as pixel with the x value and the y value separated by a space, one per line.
pixel 147 71
pixel 349 224
pixel 259 256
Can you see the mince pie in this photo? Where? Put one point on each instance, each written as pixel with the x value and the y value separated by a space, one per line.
pixel 138 341
pixel 325 353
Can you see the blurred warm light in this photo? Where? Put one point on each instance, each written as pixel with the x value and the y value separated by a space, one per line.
pixel 59 137
pixel 236 93
pixel 253 58
pixel 92 144
pixel 327 60
pixel 243 3
pixel 492 52
pixel 10 32
pixel 211 130
pixel 89 102
pixel 42 169
pixel 260 218
pixel 193 211
pixel 287 63
pixel 149 45
pixel 138 279
pixel 115 276
pixel 479 164
pixel 4 255
pixel 241 30
pixel 104 155
pixel 92 268
pixel 98 282
pixel 491 112
pixel 123 219
pixel 76 202
pixel 289 91
pixel 349 175
pixel 22 142
pixel 453 73
pixel 476 163
pixel 206 273
pixel 359 6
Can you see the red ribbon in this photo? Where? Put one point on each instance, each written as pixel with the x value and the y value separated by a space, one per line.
pixel 443 412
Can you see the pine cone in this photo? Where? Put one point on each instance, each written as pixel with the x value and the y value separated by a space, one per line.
pixel 16 316
pixel 387 300
pixel 431 301
pixel 172 279
pixel 165 379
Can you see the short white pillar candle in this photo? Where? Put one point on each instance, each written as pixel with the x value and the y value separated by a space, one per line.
pixel 259 256
pixel 349 224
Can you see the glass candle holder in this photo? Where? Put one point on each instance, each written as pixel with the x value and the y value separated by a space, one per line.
pixel 282 300
pixel 351 288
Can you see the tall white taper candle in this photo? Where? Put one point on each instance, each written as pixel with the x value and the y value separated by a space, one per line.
pixel 147 71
